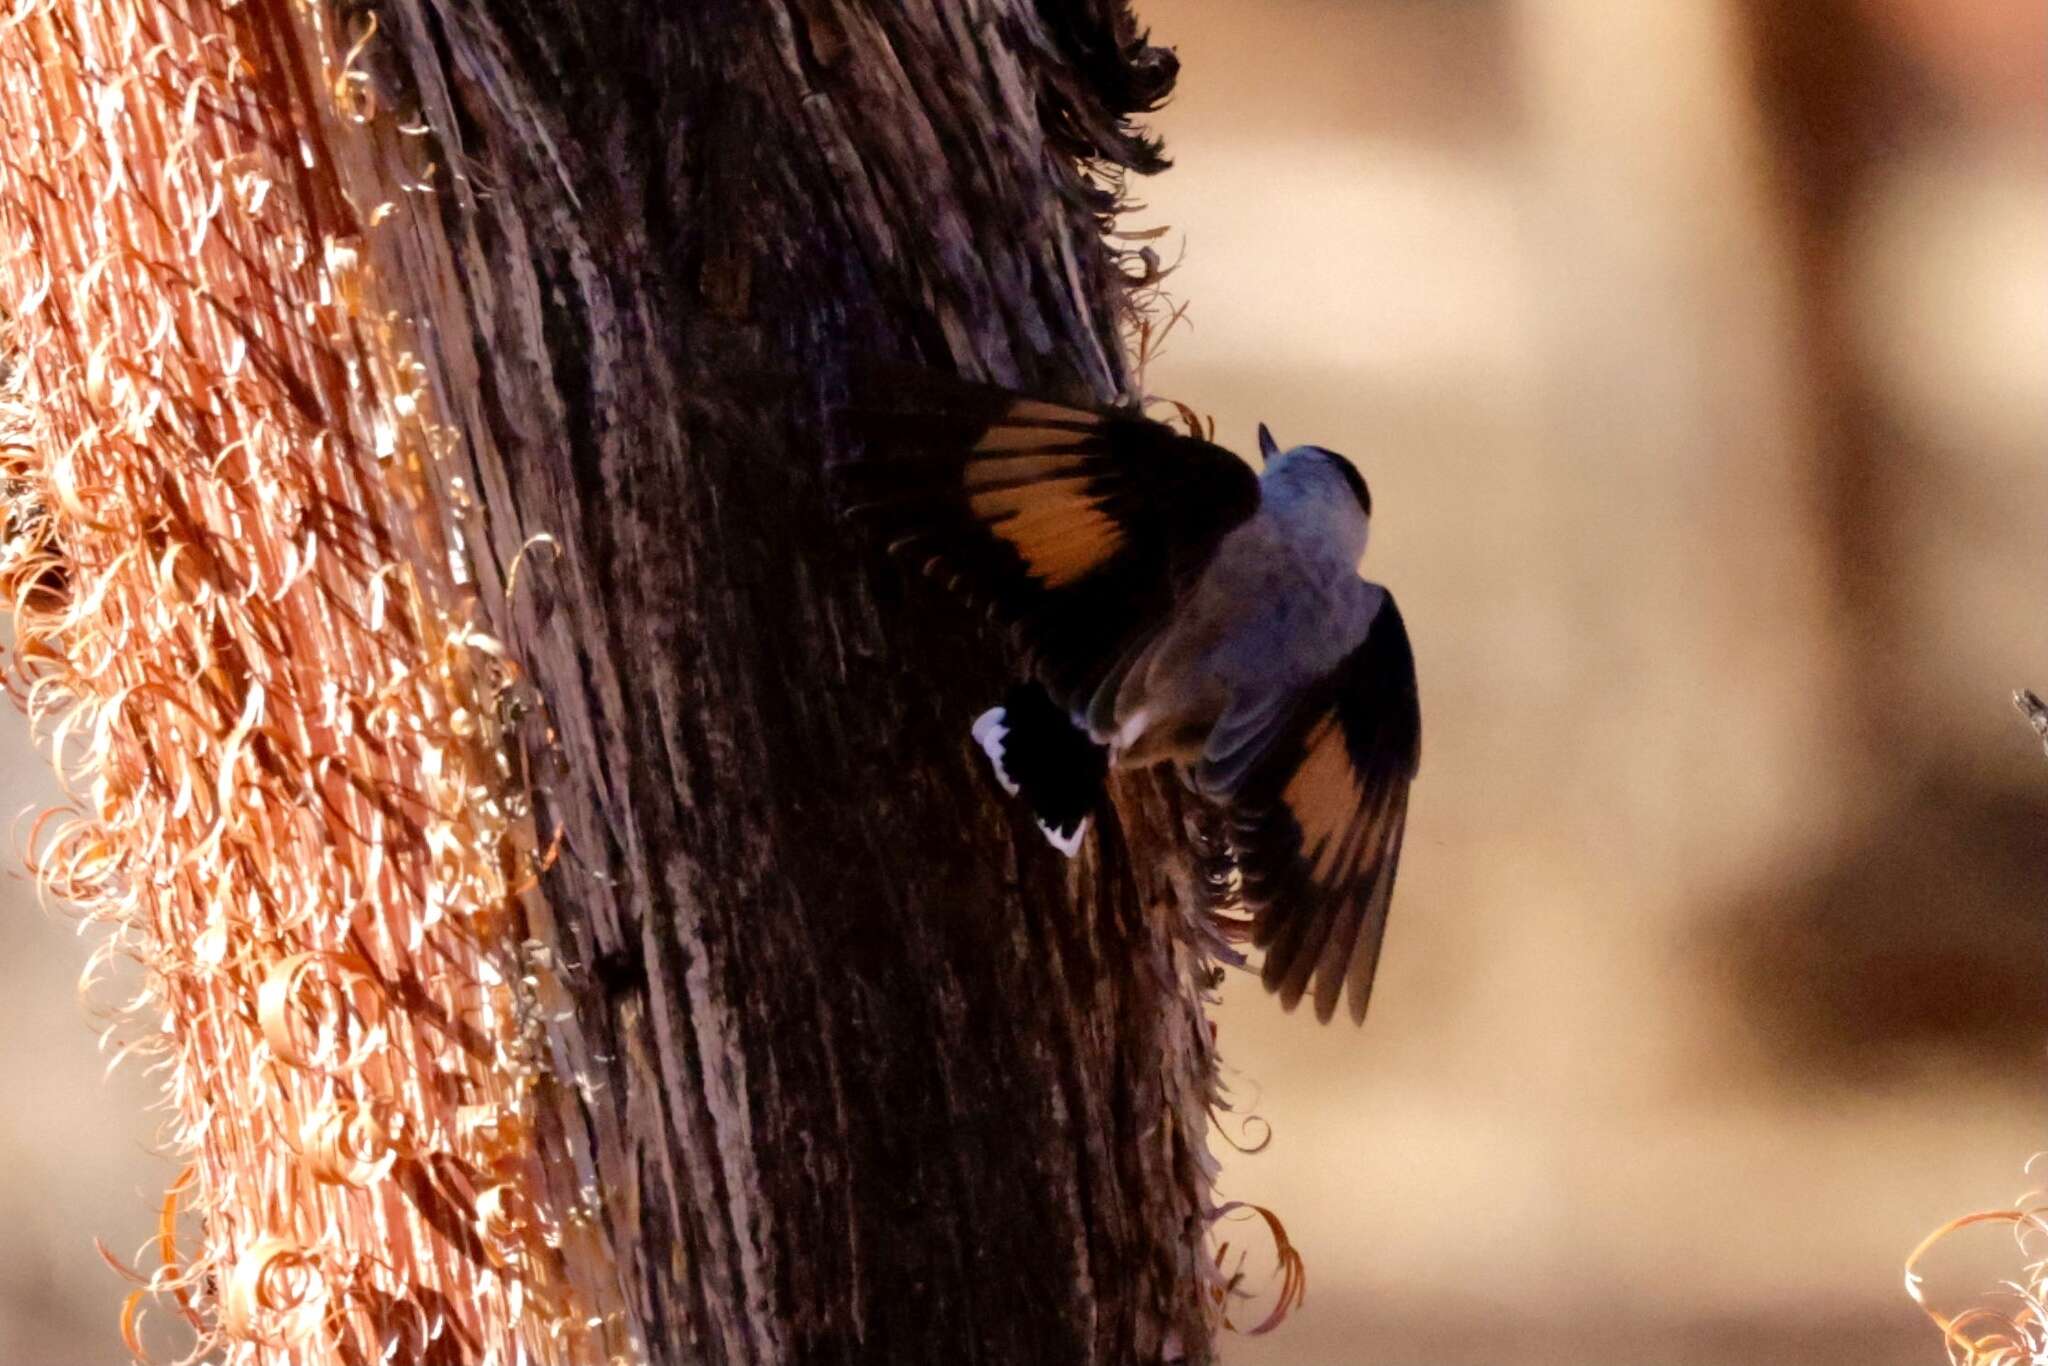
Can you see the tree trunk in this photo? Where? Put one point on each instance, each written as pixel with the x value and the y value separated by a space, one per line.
pixel 858 1069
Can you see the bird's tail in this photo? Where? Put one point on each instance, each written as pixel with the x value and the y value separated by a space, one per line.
pixel 1040 754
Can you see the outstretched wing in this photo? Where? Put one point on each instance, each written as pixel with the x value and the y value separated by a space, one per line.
pixel 1315 828
pixel 1075 526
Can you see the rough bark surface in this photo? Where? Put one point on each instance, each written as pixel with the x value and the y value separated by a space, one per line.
pixel 863 1071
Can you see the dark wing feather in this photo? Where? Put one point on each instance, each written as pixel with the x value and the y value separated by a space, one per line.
pixel 1316 828
pixel 1075 526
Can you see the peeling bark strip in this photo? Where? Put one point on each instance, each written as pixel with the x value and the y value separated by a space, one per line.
pixel 860 1072
pixel 236 614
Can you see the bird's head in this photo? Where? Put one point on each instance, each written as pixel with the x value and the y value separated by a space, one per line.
pixel 1315 474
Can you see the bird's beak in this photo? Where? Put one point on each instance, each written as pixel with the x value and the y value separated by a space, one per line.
pixel 1268 448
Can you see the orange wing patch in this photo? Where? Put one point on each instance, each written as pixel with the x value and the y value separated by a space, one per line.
pixel 1061 535
pixel 1323 797
pixel 1022 469
pixel 1008 438
pixel 1030 487
pixel 1023 505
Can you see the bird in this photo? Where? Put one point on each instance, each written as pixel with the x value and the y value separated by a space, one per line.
pixel 1170 605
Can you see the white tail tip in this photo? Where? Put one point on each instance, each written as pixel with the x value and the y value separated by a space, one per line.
pixel 990 731
pixel 1068 844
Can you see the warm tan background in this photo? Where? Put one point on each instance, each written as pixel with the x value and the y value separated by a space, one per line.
pixel 1697 352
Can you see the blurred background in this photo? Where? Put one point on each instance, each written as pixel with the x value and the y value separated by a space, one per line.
pixel 1697 353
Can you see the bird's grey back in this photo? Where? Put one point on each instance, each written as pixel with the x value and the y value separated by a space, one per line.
pixel 1286 582
pixel 1278 607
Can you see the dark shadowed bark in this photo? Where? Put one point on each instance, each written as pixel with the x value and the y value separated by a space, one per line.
pixel 858 1068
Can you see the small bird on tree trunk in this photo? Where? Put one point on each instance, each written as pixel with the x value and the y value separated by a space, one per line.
pixel 1173 606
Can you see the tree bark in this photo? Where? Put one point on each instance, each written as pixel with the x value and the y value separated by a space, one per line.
pixel 856 1067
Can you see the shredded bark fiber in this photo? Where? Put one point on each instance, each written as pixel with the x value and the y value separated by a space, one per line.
pixel 252 651
pixel 2010 1327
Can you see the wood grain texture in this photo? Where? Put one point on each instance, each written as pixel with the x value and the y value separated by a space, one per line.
pixel 859 1070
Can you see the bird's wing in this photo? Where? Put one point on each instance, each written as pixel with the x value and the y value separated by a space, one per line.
pixel 1315 826
pixel 1076 526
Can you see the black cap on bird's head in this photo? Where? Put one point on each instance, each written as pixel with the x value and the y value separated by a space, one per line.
pixel 1352 479
pixel 1269 450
